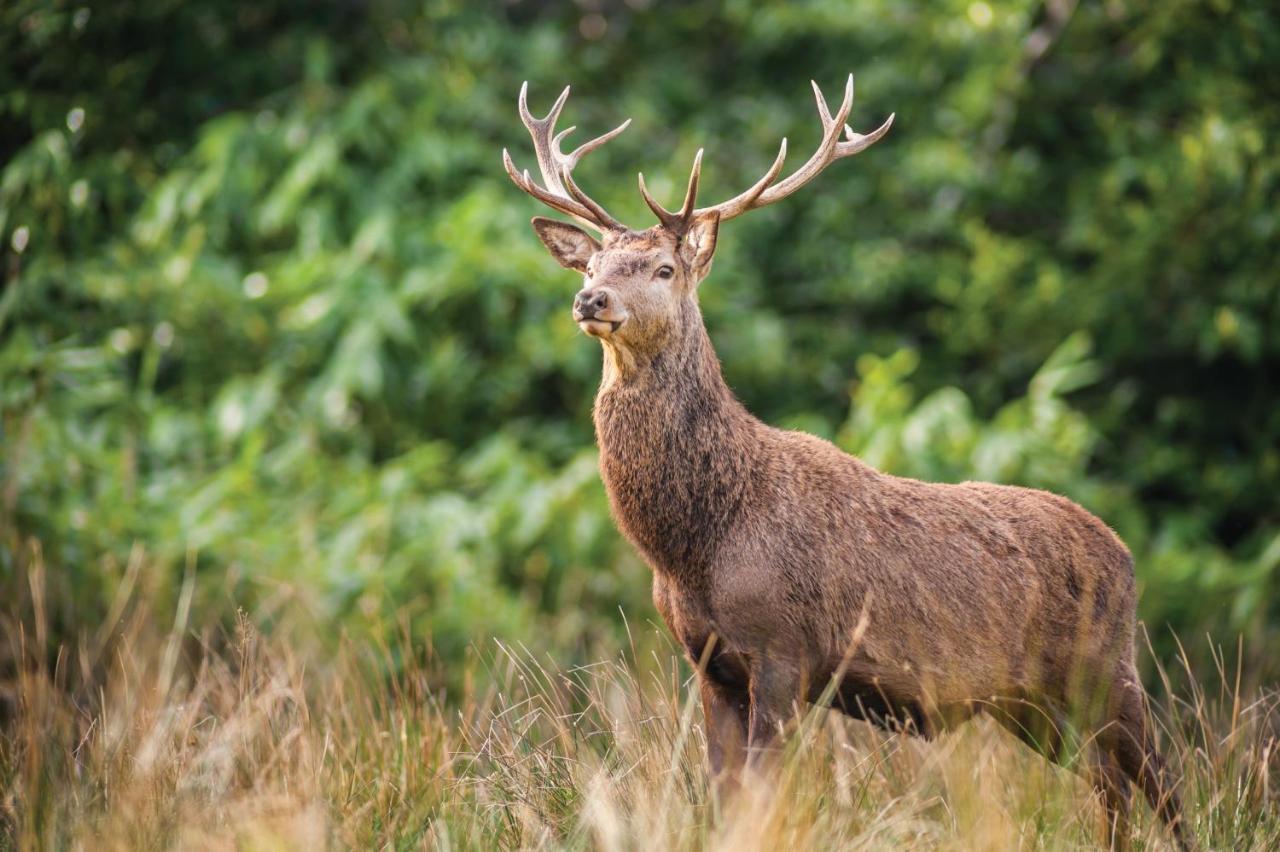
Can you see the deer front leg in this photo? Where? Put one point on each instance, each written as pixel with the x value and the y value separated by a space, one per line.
pixel 775 690
pixel 726 711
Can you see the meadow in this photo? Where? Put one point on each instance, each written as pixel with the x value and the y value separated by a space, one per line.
pixel 194 738
pixel 302 537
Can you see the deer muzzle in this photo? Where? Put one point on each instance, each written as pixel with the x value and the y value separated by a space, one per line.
pixel 598 312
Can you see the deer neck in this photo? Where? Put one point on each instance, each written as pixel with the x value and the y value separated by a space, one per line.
pixel 675 450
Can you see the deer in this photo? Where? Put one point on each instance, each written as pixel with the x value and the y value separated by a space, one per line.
pixel 793 573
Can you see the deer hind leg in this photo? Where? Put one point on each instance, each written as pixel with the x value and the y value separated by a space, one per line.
pixel 1110 780
pixel 1048 732
pixel 1128 736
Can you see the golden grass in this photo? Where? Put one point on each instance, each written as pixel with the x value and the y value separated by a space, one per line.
pixel 138 739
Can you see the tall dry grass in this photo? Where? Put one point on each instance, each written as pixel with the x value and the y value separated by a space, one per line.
pixel 138 738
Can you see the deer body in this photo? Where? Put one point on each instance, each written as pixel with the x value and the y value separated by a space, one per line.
pixel 779 545
pixel 792 572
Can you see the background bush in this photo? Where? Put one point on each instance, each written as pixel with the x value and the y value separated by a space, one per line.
pixel 272 313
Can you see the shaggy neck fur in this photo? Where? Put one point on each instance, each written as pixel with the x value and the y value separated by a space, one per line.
pixel 675 450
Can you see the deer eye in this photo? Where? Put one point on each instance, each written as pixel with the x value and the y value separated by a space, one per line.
pixel 665 271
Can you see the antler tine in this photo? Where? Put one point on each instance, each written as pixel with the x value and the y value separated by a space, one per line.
pixel 526 183
pixel 822 157
pixel 691 192
pixel 552 116
pixel 587 147
pixel 677 222
pixel 846 103
pixel 742 202
pixel 555 166
pixel 582 198
pixel 823 112
pixel 831 148
pixel 665 216
pixel 859 142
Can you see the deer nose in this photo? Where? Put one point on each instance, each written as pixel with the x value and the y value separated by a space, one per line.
pixel 590 302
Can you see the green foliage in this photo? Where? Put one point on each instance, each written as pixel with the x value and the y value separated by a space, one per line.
pixel 271 307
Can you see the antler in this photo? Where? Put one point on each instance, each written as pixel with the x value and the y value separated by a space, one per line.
pixel 765 191
pixel 558 190
pixel 677 223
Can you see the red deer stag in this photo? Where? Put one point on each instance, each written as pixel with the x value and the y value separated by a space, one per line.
pixel 784 565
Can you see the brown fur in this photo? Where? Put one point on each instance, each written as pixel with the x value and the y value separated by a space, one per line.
pixel 784 565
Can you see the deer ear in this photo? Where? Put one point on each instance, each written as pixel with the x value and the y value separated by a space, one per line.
pixel 699 244
pixel 571 246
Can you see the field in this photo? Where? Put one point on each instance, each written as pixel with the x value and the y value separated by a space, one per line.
pixel 201 739
pixel 303 541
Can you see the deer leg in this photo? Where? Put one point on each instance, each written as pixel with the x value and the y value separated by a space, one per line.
pixel 1130 741
pixel 1110 780
pixel 774 689
pixel 726 710
pixel 1045 730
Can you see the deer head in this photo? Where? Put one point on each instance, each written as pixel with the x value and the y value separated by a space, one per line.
pixel 640 286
